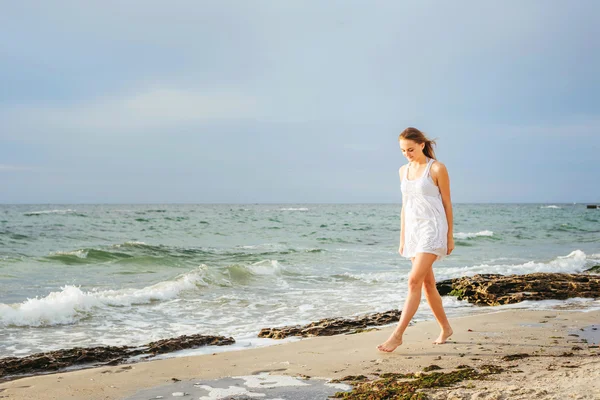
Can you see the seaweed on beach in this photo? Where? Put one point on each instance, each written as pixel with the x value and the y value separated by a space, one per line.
pixel 512 357
pixel 333 326
pixel 406 386
pixel 431 367
pixel 350 378
pixel 106 355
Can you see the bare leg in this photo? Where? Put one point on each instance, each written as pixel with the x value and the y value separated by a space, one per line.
pixel 421 266
pixel 435 302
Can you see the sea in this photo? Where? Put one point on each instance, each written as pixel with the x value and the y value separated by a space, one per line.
pixel 94 275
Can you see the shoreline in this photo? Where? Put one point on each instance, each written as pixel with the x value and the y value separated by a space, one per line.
pixel 478 339
pixel 245 343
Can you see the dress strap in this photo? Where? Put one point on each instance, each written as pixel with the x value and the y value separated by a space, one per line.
pixel 429 163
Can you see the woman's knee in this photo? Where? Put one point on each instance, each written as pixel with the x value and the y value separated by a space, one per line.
pixel 429 281
pixel 414 281
pixel 421 270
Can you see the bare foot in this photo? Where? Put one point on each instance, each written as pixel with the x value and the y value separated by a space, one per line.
pixel 444 335
pixel 390 344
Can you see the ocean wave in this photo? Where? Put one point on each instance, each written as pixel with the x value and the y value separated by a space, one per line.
pixel 314 250
pixel 552 206
pixel 574 262
pixel 332 240
pixel 345 277
pixel 160 291
pixel 463 243
pixel 265 267
pixel 50 212
pixel 165 255
pixel 566 228
pixel 177 218
pixel 372 277
pixel 294 209
pixel 72 304
pixel 470 235
pixel 132 243
pixel 58 308
pixel 92 255
pixel 82 253
pixel 15 236
pixel 11 258
pixel 273 248
pixel 243 274
pixel 86 256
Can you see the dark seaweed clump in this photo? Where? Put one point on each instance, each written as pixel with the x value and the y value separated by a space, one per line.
pixel 406 386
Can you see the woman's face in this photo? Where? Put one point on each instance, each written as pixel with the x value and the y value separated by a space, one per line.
pixel 411 149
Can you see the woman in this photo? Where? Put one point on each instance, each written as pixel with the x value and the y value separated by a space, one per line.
pixel 425 229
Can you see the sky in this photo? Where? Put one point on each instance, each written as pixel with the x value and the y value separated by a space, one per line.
pixel 296 101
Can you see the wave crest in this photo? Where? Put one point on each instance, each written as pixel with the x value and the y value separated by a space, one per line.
pixel 471 235
pixel 72 304
pixel 574 262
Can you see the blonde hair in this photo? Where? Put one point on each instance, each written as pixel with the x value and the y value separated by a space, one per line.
pixel 419 137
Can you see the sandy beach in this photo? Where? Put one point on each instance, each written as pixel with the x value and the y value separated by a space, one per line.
pixel 562 361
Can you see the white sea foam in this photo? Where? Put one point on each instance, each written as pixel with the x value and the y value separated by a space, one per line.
pixel 294 209
pixel 83 253
pixel 552 206
pixel 79 253
pixel 160 291
pixel 374 277
pixel 132 243
pixel 57 308
pixel 571 263
pixel 306 307
pixel 571 304
pixel 264 380
pixel 265 267
pixel 72 304
pixel 50 212
pixel 221 393
pixel 264 246
pixel 469 235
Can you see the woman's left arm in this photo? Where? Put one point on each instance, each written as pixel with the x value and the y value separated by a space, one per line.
pixel 443 182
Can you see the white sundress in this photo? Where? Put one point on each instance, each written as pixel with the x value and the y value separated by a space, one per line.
pixel 425 223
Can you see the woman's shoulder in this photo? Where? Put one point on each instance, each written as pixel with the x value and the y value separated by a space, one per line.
pixel 437 166
pixel 438 169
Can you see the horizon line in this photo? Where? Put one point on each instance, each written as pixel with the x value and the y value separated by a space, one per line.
pixel 278 203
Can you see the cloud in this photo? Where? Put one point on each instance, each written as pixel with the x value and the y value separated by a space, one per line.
pixel 15 168
pixel 131 112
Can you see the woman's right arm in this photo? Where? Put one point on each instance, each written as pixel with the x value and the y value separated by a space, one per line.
pixel 401 248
